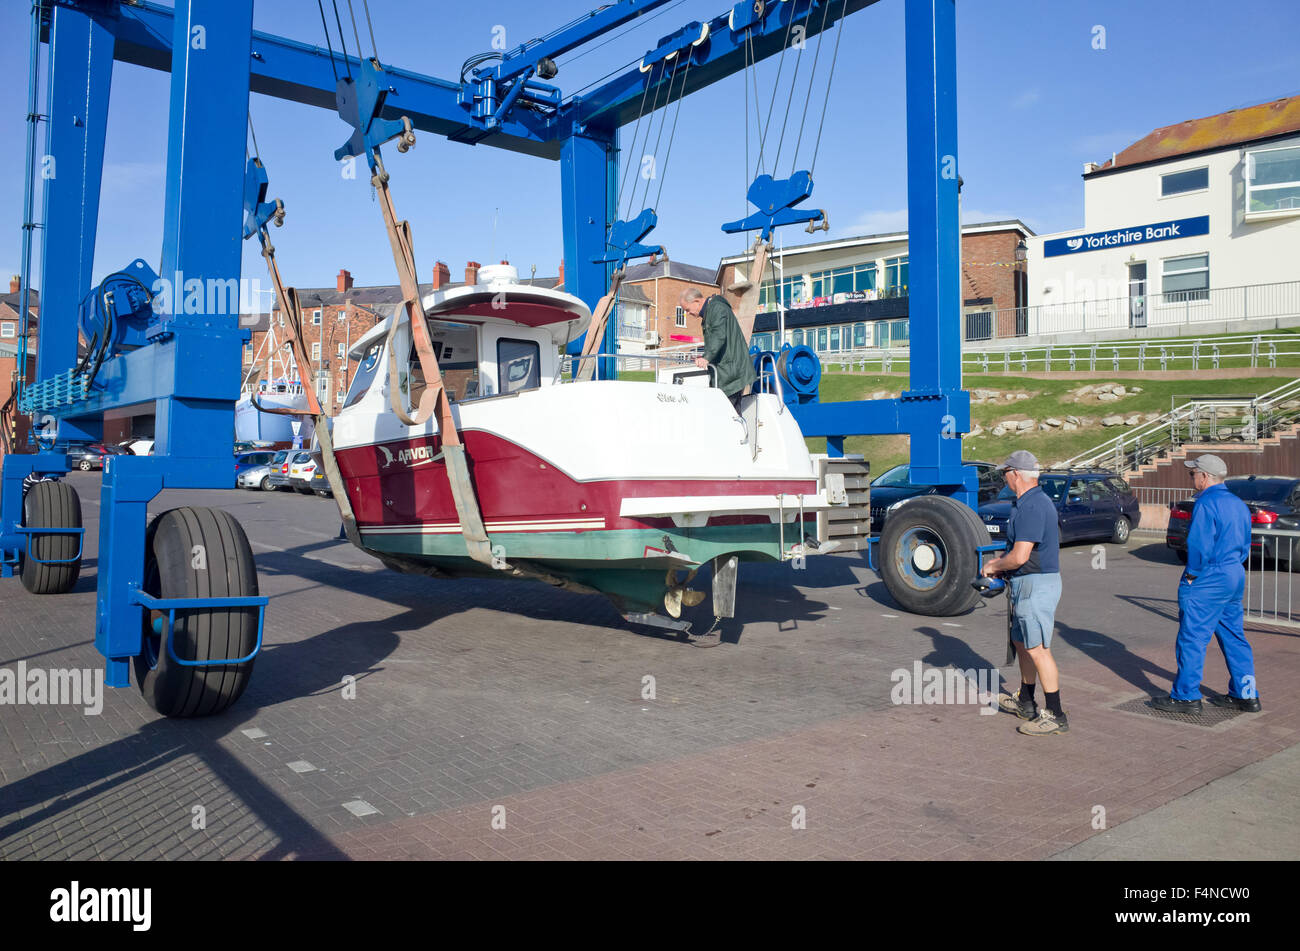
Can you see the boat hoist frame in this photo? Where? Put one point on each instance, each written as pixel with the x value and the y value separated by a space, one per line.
pixel 502 100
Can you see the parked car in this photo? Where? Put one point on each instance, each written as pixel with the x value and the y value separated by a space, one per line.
pixel 300 472
pixel 138 447
pixel 893 486
pixel 1090 504
pixel 319 484
pixel 254 477
pixel 1274 502
pixel 251 460
pixel 280 467
pixel 92 456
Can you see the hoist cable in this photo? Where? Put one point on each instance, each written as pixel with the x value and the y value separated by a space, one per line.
pixel 343 43
pixel 654 107
pixel 257 153
pixel 821 35
pixel 758 118
pixel 352 14
pixel 634 25
pixel 328 45
pixel 663 122
pixel 771 105
pixel 794 81
pixel 371 27
pixel 627 164
pixel 834 56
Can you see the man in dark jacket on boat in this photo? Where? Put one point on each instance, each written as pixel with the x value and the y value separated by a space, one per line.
pixel 724 343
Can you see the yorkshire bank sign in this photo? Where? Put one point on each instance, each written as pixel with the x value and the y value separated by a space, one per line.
pixel 1122 237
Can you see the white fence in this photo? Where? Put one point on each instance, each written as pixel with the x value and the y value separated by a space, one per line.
pixel 1245 302
pixel 1269 585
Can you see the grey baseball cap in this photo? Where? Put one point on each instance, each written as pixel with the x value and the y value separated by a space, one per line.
pixel 1210 465
pixel 1021 459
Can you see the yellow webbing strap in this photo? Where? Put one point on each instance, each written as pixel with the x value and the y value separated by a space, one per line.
pixel 434 398
pixel 744 301
pixel 596 329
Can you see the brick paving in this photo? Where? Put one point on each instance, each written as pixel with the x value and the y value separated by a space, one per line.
pixel 483 701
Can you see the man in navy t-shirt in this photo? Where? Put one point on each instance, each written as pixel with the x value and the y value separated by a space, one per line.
pixel 1031 566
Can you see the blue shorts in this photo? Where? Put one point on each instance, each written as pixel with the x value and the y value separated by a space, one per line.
pixel 1034 599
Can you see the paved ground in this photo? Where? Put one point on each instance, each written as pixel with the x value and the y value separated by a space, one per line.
pixel 506 719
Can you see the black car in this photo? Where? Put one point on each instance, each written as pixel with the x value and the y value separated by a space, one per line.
pixel 893 486
pixel 1090 504
pixel 1274 503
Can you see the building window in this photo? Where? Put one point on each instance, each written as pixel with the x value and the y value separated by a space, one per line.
pixel 896 277
pixel 796 337
pixel 844 280
pixel 681 317
pixel 315 350
pixel 341 354
pixel 792 292
pixel 835 338
pixel 859 335
pixel 1191 180
pixel 7 331
pixel 821 338
pixel 315 317
pixel 899 331
pixel 1273 180
pixel 1187 278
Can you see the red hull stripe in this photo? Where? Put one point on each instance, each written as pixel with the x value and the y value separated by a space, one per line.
pixel 515 487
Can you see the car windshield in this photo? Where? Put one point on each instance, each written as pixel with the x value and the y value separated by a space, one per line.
pixel 281 456
pixel 894 476
pixel 1052 485
pixel 1260 490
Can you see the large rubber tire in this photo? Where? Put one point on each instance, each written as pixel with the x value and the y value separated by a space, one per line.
pixel 51 504
pixel 173 689
pixel 1120 532
pixel 954 531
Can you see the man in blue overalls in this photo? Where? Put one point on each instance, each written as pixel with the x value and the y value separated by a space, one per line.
pixel 1210 592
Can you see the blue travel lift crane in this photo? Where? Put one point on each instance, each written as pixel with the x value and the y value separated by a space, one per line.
pixel 177 597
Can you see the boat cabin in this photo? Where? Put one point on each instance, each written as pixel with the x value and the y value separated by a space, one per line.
pixel 495 338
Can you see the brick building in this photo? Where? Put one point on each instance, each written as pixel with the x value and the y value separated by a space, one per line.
pixel 660 285
pixel 15 425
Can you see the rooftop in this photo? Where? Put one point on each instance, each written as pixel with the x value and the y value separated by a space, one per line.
pixel 1268 120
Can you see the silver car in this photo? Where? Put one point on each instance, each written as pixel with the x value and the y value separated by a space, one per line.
pixel 257 477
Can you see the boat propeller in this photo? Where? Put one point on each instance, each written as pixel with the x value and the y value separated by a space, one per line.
pixel 678 594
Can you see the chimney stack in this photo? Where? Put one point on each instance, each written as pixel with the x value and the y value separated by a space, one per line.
pixel 561 284
pixel 505 262
pixel 471 272
pixel 441 275
pixel 344 281
pixel 15 284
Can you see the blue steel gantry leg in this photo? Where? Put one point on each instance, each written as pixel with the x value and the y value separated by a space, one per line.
pixel 588 179
pixel 80 76
pixel 935 410
pixel 195 362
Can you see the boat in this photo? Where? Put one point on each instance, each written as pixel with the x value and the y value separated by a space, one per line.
pixel 622 487
pixel 254 424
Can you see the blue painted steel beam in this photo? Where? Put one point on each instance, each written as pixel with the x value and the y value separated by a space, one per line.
pixel 938 409
pixel 524 56
pixel 80 74
pixel 618 101
pixel 588 178
pixel 192 366
pixel 301 72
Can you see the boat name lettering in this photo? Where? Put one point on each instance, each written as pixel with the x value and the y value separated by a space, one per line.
pixel 672 398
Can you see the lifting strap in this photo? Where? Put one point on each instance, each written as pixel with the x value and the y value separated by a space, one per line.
pixel 743 295
pixel 596 329
pixel 288 298
pixel 434 398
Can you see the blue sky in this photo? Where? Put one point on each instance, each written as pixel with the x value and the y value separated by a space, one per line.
pixel 1036 101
